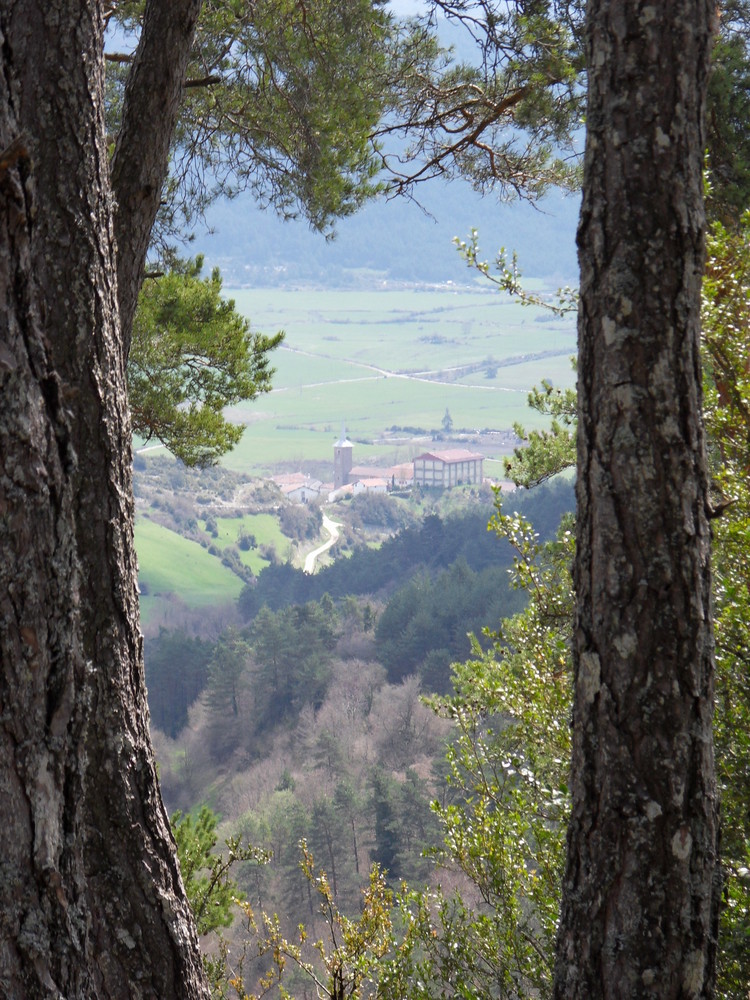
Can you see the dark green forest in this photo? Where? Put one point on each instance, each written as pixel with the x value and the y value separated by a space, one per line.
pixel 434 582
pixel 305 721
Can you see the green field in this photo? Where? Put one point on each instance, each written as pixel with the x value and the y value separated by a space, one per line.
pixel 379 359
pixel 402 331
pixel 375 360
pixel 265 528
pixel 170 565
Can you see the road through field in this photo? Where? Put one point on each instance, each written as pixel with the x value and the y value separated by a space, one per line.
pixel 432 376
pixel 393 359
pixel 332 527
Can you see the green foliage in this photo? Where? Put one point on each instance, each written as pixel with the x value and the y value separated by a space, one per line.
pixel 357 795
pixel 227 697
pixel 404 826
pixel 344 967
pixel 503 116
pixel 316 106
pixel 380 510
pixel 301 92
pixel 503 824
pixel 192 355
pixel 278 824
pixel 726 311
pixel 432 545
pixel 278 584
pixel 211 893
pixel 246 541
pixel 300 522
pixel 507 277
pixel 267 673
pixel 210 896
pixel 230 658
pixel 728 110
pixel 428 615
pixel 504 830
pixel 177 668
pixel 213 897
pixel 291 650
pixel 547 452
pixel 490 933
pixel 282 99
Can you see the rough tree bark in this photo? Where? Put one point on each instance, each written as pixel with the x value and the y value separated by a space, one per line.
pixel 141 159
pixel 640 891
pixel 91 901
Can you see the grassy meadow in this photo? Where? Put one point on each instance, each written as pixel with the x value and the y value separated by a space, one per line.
pixel 265 528
pixel 169 565
pixel 383 359
pixel 176 573
pixel 375 360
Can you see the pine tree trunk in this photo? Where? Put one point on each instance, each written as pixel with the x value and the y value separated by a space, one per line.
pixel 91 901
pixel 640 891
pixel 141 160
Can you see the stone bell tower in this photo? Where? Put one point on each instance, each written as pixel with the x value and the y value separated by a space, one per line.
pixel 342 460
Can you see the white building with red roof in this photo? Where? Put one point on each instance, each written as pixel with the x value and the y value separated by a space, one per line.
pixel 298 487
pixel 443 469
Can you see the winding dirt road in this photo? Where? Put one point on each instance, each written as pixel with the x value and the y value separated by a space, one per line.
pixel 332 527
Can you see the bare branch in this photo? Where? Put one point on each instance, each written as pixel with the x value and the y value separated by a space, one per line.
pixel 206 81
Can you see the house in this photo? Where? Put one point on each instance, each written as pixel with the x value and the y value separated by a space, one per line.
pixel 400 475
pixel 349 490
pixel 370 485
pixel 298 487
pixel 304 492
pixel 443 469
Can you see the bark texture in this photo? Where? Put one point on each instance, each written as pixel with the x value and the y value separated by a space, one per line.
pixel 640 891
pixel 141 161
pixel 91 901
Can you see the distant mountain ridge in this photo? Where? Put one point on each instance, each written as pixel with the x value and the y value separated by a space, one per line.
pixel 393 242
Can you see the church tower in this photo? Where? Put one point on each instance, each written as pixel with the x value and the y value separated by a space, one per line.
pixel 342 460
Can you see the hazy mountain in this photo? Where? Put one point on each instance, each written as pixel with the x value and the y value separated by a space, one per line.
pixel 395 241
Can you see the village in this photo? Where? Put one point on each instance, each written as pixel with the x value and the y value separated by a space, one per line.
pixel 435 469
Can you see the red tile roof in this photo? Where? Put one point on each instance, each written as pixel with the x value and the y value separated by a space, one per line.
pixel 452 455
